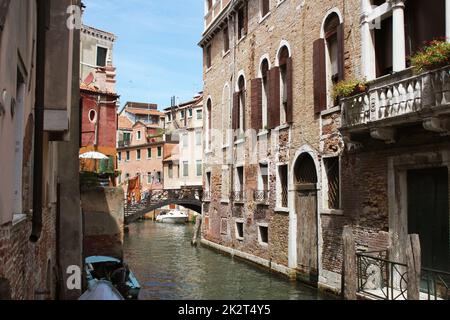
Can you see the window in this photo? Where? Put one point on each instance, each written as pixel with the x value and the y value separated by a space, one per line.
pixel 158 177
pixel 264 7
pixel 263 177
pixel 190 113
pixel 199 114
pixel 126 137
pixel 198 138
pixel 226 40
pixel 208 57
pixel 128 155
pixel 138 154
pixel 284 56
pixel 139 135
pixel 283 186
pixel 169 117
pixel 149 178
pixel 159 152
pixel 331 28
pixel 149 153
pixel 265 92
pixel 242 22
pixel 185 140
pixel 119 156
pixel 185 169
pixel 170 170
pixel 182 114
pixel 208 182
pixel 239 108
pixel 209 123
pixel 101 56
pixel 263 235
pixel 92 116
pixel 239 179
pixel 199 168
pixel 332 168
pixel 240 230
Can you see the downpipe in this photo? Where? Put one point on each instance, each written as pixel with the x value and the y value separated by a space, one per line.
pixel 43 12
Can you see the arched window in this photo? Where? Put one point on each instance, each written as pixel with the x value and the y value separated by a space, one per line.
pixel 209 123
pixel 332 56
pixel 283 61
pixel 239 107
pixel 328 55
pixel 265 92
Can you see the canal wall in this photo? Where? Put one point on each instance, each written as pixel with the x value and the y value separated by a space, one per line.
pixel 103 214
pixel 283 270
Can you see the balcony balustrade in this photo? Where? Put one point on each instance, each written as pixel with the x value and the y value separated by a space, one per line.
pixel 400 98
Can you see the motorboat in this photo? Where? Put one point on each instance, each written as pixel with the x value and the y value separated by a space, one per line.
pixel 101 270
pixel 173 216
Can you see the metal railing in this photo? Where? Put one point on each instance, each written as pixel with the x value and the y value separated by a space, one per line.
pixel 123 144
pixel 237 196
pixel 382 279
pixel 261 196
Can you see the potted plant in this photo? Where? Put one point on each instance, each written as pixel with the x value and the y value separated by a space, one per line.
pixel 434 55
pixel 348 88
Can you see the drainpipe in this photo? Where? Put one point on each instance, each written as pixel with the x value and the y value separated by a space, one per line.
pixel 43 10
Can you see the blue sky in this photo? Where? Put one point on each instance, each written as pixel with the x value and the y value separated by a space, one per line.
pixel 156 53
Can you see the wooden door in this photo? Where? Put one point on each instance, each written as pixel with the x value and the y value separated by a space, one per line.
pixel 307 234
pixel 428 215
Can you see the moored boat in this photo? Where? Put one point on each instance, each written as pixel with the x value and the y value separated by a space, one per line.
pixel 109 269
pixel 174 216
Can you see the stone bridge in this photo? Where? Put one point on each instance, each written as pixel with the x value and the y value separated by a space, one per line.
pixel 190 198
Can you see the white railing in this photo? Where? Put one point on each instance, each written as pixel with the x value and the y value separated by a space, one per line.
pixel 398 95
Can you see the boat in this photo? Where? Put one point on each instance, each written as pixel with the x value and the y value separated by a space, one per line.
pixel 102 291
pixel 101 269
pixel 173 216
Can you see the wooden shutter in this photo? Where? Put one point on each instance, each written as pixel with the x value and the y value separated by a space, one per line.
pixel 320 81
pixel 274 98
pixel 256 104
pixel 236 111
pixel 341 48
pixel 289 84
pixel 4 4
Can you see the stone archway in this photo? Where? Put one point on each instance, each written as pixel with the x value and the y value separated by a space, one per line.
pixel 305 185
pixel 5 289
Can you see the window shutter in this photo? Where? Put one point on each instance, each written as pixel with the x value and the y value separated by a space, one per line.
pixel 289 84
pixel 341 48
pixel 274 98
pixel 4 4
pixel 319 70
pixel 235 116
pixel 256 104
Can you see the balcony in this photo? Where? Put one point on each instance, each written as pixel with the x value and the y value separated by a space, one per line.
pixel 402 98
pixel 238 197
pixel 261 197
pixel 207 195
pixel 124 143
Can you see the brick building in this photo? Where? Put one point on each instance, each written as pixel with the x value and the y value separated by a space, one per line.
pixel 140 146
pixel 40 216
pixel 288 165
pixel 99 97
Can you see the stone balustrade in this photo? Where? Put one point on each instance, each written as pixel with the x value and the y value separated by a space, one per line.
pixel 398 96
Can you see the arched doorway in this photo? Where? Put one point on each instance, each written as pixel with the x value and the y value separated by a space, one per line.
pixel 305 180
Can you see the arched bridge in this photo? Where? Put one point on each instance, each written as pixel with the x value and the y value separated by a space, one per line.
pixel 190 198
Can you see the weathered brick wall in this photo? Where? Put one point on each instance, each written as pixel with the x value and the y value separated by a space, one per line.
pixel 299 24
pixel 24 264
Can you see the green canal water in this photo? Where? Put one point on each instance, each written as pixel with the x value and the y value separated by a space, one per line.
pixel 169 268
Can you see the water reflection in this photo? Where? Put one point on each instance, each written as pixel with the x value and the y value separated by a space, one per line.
pixel 168 268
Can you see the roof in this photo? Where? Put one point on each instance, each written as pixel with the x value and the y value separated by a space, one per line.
pixel 125 123
pixel 144 112
pixel 94 89
pixel 141 105
pixel 195 102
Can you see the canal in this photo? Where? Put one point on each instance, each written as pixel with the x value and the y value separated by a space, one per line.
pixel 169 268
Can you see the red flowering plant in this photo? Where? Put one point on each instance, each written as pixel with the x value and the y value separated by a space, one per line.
pixel 434 55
